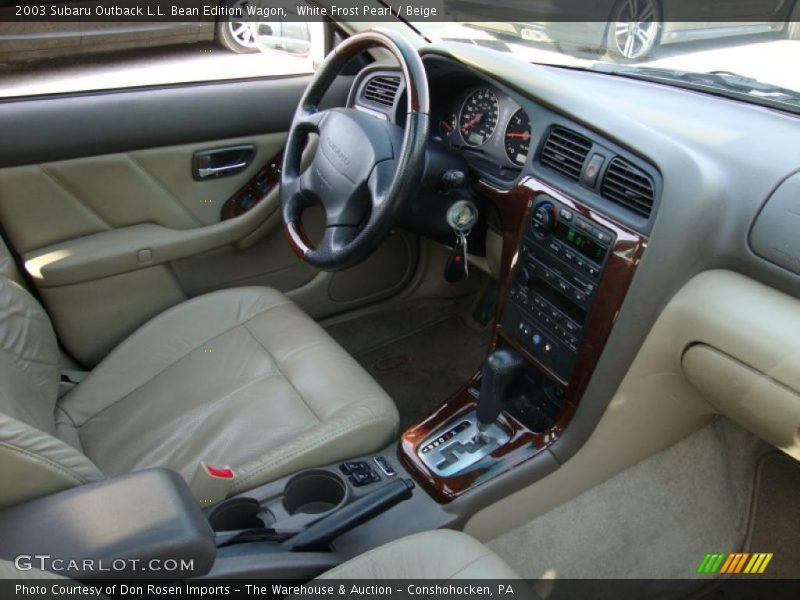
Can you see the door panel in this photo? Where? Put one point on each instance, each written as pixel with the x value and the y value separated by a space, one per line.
pixel 113 231
pixel 54 202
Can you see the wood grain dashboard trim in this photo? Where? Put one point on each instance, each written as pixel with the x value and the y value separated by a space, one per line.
pixel 513 208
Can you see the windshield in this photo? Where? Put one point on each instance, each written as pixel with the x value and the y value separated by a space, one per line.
pixel 755 59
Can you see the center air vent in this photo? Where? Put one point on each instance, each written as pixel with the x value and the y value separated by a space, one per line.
pixel 629 186
pixel 382 89
pixel 565 151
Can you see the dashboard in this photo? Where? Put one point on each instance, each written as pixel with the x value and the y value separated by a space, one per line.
pixel 488 122
pixel 482 121
pixel 624 195
pixel 503 136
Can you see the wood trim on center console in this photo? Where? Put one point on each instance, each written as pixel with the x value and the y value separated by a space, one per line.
pixel 513 207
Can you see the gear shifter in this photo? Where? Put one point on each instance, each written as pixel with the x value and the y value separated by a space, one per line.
pixel 500 369
pixel 472 437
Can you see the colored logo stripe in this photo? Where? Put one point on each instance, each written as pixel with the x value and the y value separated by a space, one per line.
pixel 710 563
pixel 758 563
pixel 735 562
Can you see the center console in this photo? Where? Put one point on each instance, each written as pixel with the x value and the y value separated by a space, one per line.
pixel 565 271
pixel 558 270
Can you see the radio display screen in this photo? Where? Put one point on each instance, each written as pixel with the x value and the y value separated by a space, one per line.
pixel 580 242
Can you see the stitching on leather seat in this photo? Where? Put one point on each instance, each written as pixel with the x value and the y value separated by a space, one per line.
pixel 469 564
pixel 167 367
pixel 278 367
pixel 317 442
pixel 46 461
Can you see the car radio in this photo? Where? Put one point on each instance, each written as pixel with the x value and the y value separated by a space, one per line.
pixel 561 259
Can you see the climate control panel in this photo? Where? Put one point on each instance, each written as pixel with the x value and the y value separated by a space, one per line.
pixel 555 279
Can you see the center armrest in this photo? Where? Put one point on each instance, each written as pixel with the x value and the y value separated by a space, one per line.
pixel 144 524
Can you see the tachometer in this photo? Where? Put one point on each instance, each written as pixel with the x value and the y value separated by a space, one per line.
pixel 478 117
pixel 518 137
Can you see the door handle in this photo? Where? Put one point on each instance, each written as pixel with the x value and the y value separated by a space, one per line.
pixel 207 172
pixel 221 162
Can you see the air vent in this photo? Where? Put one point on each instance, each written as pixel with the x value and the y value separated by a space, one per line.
pixel 565 151
pixel 629 186
pixel 382 89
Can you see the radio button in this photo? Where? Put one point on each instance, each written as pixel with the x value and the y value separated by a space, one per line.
pixel 600 235
pixel 579 296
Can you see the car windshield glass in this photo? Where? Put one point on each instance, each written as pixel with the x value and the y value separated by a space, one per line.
pixel 754 60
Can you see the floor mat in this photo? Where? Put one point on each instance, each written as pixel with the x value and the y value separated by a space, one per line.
pixel 656 520
pixel 419 354
pixel 775 526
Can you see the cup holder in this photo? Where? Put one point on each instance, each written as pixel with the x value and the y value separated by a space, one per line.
pixel 314 492
pixel 235 514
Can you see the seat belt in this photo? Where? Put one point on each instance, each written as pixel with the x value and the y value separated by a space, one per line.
pixel 69 379
pixel 210 485
pixel 73 376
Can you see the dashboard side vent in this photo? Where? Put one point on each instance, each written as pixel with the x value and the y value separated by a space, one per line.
pixel 629 186
pixel 382 89
pixel 565 151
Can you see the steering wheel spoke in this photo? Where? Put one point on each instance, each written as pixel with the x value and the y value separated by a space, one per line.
pixel 380 181
pixel 335 239
pixel 309 120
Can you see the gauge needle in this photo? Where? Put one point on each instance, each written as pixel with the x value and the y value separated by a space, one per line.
pixel 524 136
pixel 476 119
pixel 446 125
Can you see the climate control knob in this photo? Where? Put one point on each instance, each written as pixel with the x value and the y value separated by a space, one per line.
pixel 525 277
pixel 544 218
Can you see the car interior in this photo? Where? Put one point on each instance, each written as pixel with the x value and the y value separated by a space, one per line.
pixel 430 312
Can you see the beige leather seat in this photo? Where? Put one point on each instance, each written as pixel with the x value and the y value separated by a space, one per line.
pixel 239 377
pixel 440 555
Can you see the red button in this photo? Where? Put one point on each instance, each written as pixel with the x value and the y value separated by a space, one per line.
pixel 224 473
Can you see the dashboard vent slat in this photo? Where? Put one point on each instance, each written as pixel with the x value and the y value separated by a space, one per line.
pixel 629 186
pixel 565 151
pixel 382 89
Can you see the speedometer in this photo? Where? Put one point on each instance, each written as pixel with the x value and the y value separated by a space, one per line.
pixel 478 117
pixel 518 137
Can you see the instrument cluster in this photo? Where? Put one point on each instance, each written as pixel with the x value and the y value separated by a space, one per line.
pixel 485 121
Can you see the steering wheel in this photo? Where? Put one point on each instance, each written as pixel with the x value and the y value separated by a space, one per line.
pixel 363 167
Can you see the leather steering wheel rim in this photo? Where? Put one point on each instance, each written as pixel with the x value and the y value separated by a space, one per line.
pixel 361 200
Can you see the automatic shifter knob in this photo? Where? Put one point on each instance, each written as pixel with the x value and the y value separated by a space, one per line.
pixel 500 369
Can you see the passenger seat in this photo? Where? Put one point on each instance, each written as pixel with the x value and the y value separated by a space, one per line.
pixel 442 554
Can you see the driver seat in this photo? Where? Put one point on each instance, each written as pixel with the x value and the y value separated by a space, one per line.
pixel 239 377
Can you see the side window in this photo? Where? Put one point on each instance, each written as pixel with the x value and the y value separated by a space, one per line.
pixel 39 56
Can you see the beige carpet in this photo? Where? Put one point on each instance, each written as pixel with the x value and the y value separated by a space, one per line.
pixel 775 526
pixel 420 354
pixel 657 519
